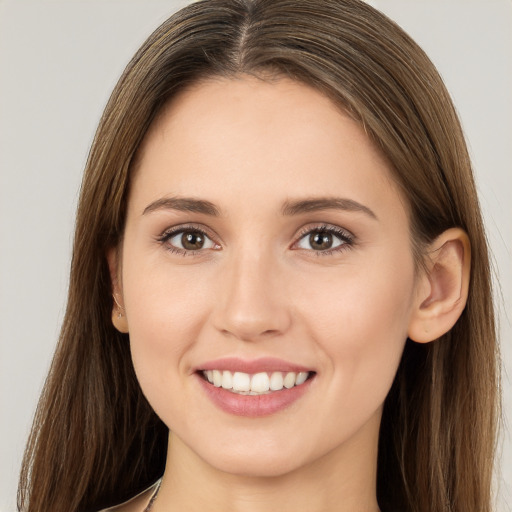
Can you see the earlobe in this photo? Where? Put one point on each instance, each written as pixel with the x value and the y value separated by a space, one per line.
pixel 442 290
pixel 119 319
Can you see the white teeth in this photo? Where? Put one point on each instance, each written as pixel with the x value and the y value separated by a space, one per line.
pixel 301 378
pixel 259 383
pixel 276 381
pixel 289 380
pixel 217 378
pixel 241 381
pixel 227 380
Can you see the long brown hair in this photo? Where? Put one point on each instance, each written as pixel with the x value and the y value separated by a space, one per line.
pixel 95 440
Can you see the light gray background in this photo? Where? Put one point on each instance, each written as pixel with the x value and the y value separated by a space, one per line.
pixel 59 60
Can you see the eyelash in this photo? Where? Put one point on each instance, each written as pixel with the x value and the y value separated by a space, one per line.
pixel 170 233
pixel 346 238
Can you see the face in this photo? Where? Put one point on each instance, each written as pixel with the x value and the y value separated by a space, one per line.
pixel 266 274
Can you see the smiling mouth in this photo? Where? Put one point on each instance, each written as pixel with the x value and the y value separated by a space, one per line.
pixel 262 383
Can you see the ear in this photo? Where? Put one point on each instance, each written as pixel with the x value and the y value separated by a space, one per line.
pixel 118 312
pixel 442 289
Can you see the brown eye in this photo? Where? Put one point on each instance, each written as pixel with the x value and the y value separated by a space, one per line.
pixel 192 241
pixel 320 240
pixel 325 239
pixel 188 240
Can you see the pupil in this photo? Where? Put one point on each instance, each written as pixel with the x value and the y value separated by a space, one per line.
pixel 192 241
pixel 320 240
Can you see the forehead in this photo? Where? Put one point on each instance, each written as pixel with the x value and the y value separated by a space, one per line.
pixel 259 139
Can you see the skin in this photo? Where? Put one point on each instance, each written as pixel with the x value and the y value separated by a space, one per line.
pixel 258 288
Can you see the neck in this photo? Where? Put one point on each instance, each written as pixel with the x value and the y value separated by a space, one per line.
pixel 343 480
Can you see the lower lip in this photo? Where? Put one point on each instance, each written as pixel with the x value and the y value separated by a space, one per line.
pixel 253 406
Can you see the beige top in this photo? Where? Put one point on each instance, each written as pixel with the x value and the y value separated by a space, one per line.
pixel 137 503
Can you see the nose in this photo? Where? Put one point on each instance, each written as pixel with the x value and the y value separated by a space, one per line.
pixel 252 304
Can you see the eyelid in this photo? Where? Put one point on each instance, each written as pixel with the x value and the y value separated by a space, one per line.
pixel 171 232
pixel 343 234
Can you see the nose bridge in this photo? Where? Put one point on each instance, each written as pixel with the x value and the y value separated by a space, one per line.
pixel 252 302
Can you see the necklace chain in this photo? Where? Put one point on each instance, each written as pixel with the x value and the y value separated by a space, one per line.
pixel 153 498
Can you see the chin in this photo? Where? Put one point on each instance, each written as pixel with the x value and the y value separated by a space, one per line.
pixel 272 458
pixel 270 466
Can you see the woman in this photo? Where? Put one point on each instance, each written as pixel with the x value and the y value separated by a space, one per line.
pixel 278 224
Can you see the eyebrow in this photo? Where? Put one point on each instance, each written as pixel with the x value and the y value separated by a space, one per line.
pixel 190 204
pixel 325 203
pixel 184 204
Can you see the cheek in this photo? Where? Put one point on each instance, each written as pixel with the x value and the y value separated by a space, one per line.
pixel 165 313
pixel 359 319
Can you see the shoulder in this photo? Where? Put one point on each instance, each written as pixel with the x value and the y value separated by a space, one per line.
pixel 137 503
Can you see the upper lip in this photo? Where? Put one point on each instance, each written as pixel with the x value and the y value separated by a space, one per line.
pixel 263 364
